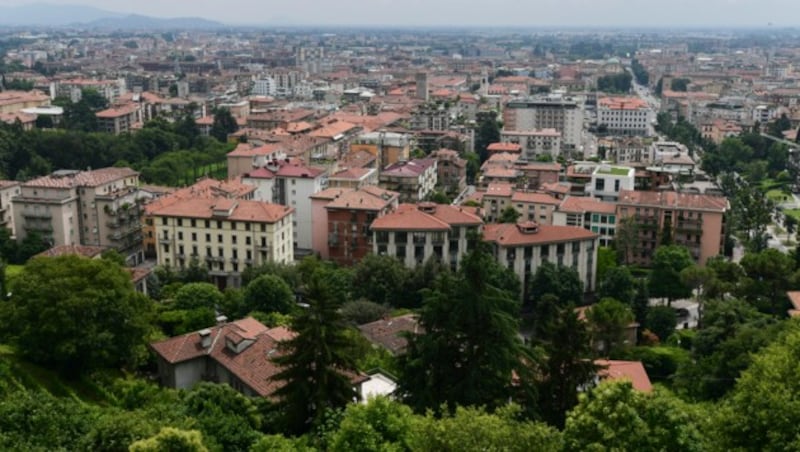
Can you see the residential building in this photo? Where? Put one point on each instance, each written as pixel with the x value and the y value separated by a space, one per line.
pixel 696 221
pixel 347 235
pixel 8 189
pixel 16 101
pixel 588 213
pixel 388 147
pixel 524 247
pixel 229 235
pixel 534 143
pixel 415 233
pixel 553 111
pixel 431 116
pixel 717 130
pixel 451 171
pixel 632 371
pixel 608 180
pixel 119 119
pixel 415 180
pixel 264 87
pixel 354 178
pixel 391 333
pixel 532 206
pixel 69 207
pixel 629 116
pixel 294 185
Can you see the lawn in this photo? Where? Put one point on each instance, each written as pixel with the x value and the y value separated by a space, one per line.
pixel 793 212
pixel 778 196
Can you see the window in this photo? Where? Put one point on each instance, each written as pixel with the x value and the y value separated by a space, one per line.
pixel 194 223
pixel 163 221
pixel 247 226
pixel 208 224
pixel 233 239
pixel 180 222
pixel 219 238
pixel 219 224
pixel 247 241
pixel 208 237
pixel 180 235
pixel 600 184
pixel 194 236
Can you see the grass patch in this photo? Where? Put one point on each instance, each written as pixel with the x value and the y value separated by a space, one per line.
pixel 771 184
pixel 13 270
pixel 778 196
pixel 793 213
pixel 614 171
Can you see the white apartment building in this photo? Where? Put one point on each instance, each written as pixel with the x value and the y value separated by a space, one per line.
pixel 608 180
pixel 227 235
pixel 554 111
pixel 8 189
pixel 294 185
pixel 415 233
pixel 97 208
pixel 524 247
pixel 265 86
pixel 588 213
pixel 534 142
pixel 630 116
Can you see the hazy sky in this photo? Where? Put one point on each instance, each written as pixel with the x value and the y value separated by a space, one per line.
pixel 466 12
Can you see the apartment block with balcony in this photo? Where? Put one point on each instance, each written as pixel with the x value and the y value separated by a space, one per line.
pixel 531 206
pixel 525 246
pixel 629 116
pixel 696 222
pixel 607 181
pixel 534 143
pixel 227 235
pixel 414 180
pixel 451 170
pixel 97 208
pixel 553 111
pixel 415 233
pixel 588 213
pixel 119 119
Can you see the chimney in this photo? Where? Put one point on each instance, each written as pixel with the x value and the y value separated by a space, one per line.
pixel 205 337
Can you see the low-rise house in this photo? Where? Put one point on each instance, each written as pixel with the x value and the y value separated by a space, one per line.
pixel 451 170
pixel 390 333
pixel 608 180
pixel 632 371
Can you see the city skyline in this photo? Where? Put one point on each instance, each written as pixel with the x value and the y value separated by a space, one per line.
pixel 500 13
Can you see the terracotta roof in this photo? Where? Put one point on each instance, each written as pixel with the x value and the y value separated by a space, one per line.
pixel 411 168
pixel 499 189
pixel 514 235
pixel 632 371
pixel 299 170
pixel 82 179
pixel 408 217
pixel 204 188
pixel 389 333
pixel 240 210
pixel 116 112
pixel 674 200
pixel 352 173
pixel 259 173
pixel 581 204
pixel 367 198
pixel 534 198
pixel 794 298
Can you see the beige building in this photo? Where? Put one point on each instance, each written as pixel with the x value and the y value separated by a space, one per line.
pixel 531 206
pixel 525 246
pixel 227 235
pixel 696 222
pixel 8 189
pixel 69 207
pixel 15 101
pixel 119 119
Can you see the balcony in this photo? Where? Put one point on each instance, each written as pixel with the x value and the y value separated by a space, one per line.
pixel 234 260
pixel 161 240
pixel 333 239
pixel 40 215
pixel 263 247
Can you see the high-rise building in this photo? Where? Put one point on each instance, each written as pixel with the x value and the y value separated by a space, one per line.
pixel 422 85
pixel 563 114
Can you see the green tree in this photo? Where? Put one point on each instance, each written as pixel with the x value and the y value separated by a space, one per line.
pixel 488 132
pixel 509 215
pixel 377 278
pixel 36 420
pixel 626 240
pixel 381 424
pixel 198 295
pixel 227 419
pixel 763 411
pixel 360 312
pixel 606 260
pixel 613 416
pixel 665 279
pixel 470 346
pixel 619 284
pixel 269 293
pixel 697 279
pixel 224 124
pixel 661 321
pixel 76 314
pixel 316 365
pixel 768 277
pixel 608 324
pixel 641 302
pixel 563 282
pixel 171 439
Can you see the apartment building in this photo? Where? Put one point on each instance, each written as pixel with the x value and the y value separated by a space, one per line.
pixel 354 178
pixel 16 101
pixel 588 213
pixel 97 208
pixel 343 229
pixel 294 185
pixel 554 111
pixel 696 222
pixel 8 189
pixel 451 170
pixel 607 181
pixel 414 180
pixel 228 235
pixel 534 143
pixel 525 246
pixel 531 206
pixel 119 119
pixel 388 147
pixel 630 116
pixel 415 233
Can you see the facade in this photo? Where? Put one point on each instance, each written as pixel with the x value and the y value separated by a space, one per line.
pixel 630 116
pixel 8 189
pixel 415 180
pixel 534 143
pixel 228 235
pixel 588 213
pixel 97 208
pixel 547 112
pixel 354 178
pixel 531 206
pixel 451 171
pixel 16 101
pixel 119 119
pixel 696 222
pixel 264 87
pixel 294 186
pixel 523 247
pixel 415 233
pixel 430 117
pixel 607 181
pixel 387 147
pixel 349 217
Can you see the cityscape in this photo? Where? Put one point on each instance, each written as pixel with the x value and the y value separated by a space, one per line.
pixel 249 233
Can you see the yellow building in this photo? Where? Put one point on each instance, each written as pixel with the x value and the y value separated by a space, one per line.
pixel 226 235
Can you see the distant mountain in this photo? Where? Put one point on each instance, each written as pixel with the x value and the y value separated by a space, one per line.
pixel 50 15
pixel 138 22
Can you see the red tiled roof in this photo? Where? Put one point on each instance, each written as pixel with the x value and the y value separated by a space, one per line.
pixel 632 371
pixel 581 204
pixel 408 217
pixel 82 179
pixel 240 210
pixel 362 199
pixel 674 200
pixel 389 333
pixel 68 250
pixel 504 147
pixel 512 235
pixel 534 198
pixel 299 170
